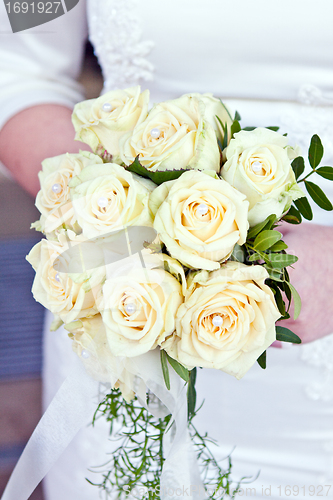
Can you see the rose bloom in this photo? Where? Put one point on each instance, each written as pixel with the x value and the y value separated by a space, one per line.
pixel 216 113
pixel 259 165
pixel 53 200
pixel 227 320
pixel 91 345
pixel 175 135
pixel 107 197
pixel 67 295
pixel 138 307
pixel 101 122
pixel 199 218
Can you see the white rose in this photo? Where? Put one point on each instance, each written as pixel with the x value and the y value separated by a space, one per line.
pixel 101 122
pixel 199 218
pixel 67 295
pixel 91 345
pixel 53 200
pixel 175 135
pixel 138 307
pixel 227 320
pixel 214 109
pixel 259 165
pixel 107 197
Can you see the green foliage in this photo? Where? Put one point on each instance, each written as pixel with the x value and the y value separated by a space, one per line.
pixel 138 460
pixel 326 172
pixel 165 368
pixel 304 208
pixel 262 360
pixel 318 196
pixel 191 394
pixel 293 216
pixel 235 127
pixel 298 166
pixel 266 224
pixel 180 369
pixel 157 177
pixel 316 151
pixel 285 335
pixel 265 239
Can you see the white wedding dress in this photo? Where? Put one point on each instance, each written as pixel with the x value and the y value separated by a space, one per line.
pixel 273 61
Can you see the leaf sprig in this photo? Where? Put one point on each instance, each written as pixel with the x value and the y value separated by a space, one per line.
pixel 302 206
pixel 138 460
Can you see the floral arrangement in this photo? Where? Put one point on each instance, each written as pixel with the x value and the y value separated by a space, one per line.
pixel 163 245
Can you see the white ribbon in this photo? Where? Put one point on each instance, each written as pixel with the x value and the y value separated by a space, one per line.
pixel 69 411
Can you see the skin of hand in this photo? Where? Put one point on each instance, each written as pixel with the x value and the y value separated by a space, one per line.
pixel 31 136
pixel 312 276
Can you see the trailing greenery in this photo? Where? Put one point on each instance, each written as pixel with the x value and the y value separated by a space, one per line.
pixel 136 464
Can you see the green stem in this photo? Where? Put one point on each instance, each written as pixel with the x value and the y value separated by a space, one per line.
pixel 308 175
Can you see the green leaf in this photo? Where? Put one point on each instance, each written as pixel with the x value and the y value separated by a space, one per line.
pixel 266 239
pixel 304 207
pixel 318 196
pixel 157 177
pixel 326 172
pixel 279 301
pixel 297 300
pixel 165 369
pixel 179 369
pixel 191 394
pixel 316 151
pixel 274 274
pixel 235 127
pixel 298 166
pixel 279 246
pixel 249 129
pixel 293 216
pixel 262 360
pixel 253 257
pixel 285 335
pixel 237 116
pixel 275 129
pixel 266 224
pixel 280 260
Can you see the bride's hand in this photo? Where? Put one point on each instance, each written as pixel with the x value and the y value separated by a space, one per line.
pixel 312 276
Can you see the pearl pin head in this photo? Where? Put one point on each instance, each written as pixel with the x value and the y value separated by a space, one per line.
pixel 155 133
pixel 85 354
pixel 217 321
pixel 56 188
pixel 107 107
pixel 256 166
pixel 130 308
pixel 57 277
pixel 202 209
pixel 102 202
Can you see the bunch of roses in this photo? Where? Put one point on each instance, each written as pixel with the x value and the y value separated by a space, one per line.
pixel 190 300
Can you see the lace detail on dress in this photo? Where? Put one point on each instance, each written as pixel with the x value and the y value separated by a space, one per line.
pixel 314 115
pixel 116 35
pixel 320 355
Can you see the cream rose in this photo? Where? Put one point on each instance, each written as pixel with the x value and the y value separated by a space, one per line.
pixel 216 113
pixel 67 295
pixel 107 197
pixel 199 218
pixel 175 135
pixel 53 200
pixel 227 320
pixel 138 307
pixel 91 345
pixel 259 165
pixel 101 122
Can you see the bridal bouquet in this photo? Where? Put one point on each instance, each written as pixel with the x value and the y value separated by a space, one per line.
pixel 164 254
